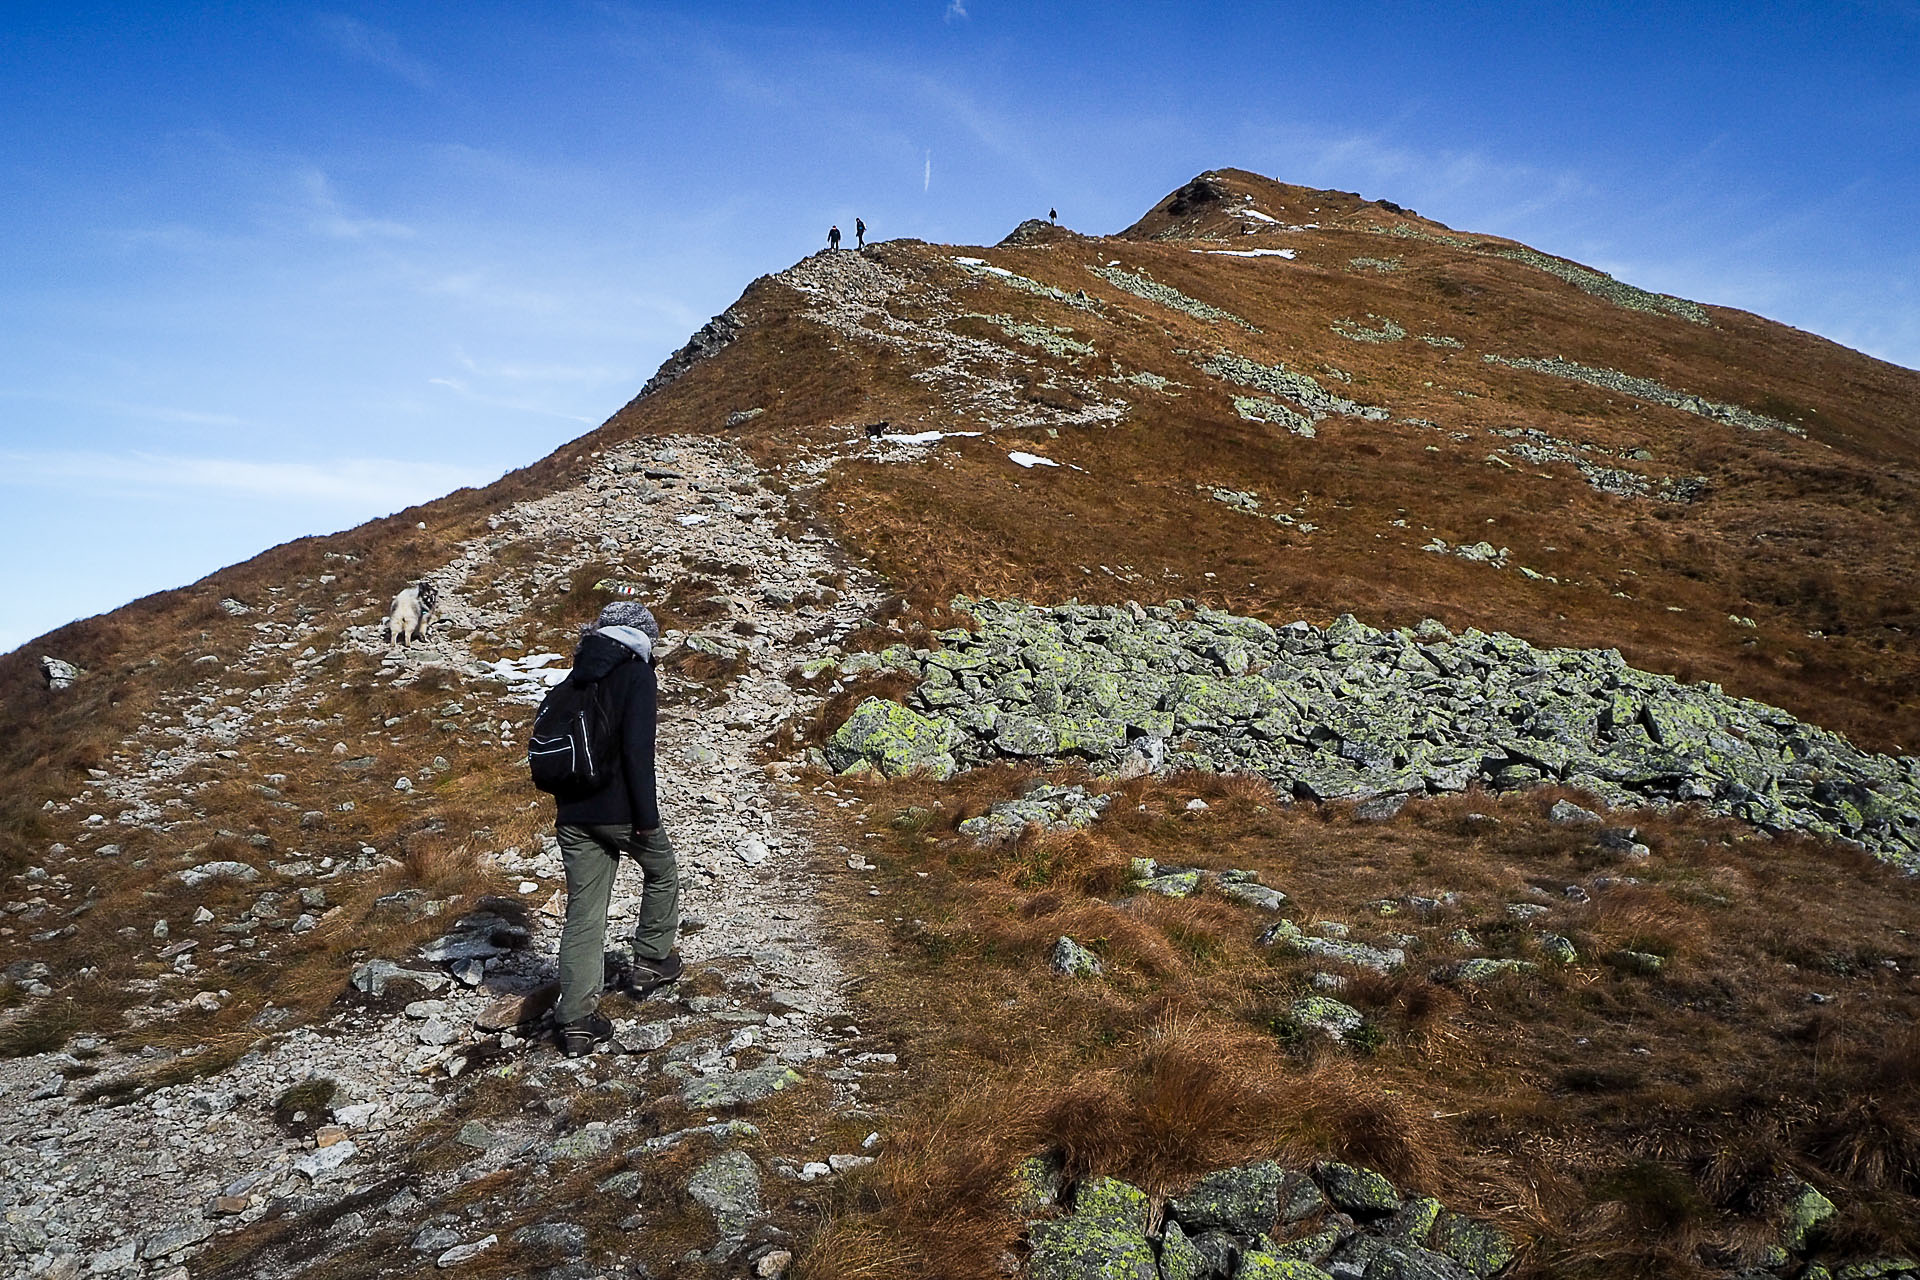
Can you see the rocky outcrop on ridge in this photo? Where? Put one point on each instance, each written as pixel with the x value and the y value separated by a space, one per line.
pixel 1349 711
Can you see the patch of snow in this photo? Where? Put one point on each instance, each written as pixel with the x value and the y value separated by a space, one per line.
pixel 695 518
pixel 530 677
pixel 1030 460
pixel 1249 253
pixel 1255 214
pixel 925 437
pixel 981 264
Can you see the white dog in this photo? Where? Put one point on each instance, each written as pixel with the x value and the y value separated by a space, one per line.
pixel 414 610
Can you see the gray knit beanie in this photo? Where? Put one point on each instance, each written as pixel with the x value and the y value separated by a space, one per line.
pixel 629 613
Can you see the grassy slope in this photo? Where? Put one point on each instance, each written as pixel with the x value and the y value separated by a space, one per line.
pixel 1800 535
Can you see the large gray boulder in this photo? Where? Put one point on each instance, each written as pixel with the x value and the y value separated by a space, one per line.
pixel 893 739
pixel 59 674
pixel 1244 1200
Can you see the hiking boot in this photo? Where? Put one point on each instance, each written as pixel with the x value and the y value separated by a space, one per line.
pixel 642 976
pixel 583 1035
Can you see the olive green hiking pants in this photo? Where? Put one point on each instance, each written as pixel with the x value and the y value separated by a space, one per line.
pixel 592 858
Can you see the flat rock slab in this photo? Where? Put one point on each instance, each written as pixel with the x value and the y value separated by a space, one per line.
pixel 729 1187
pixel 738 1088
pixel 510 1011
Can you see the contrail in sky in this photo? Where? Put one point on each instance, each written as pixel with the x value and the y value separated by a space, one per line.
pixel 926 180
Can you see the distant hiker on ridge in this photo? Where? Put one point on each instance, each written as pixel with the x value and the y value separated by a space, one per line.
pixel 1053 215
pixel 593 749
pixel 859 234
pixel 833 237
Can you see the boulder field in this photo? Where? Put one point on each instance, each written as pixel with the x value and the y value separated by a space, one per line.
pixel 1352 712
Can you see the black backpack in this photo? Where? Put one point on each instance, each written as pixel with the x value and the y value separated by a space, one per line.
pixel 575 749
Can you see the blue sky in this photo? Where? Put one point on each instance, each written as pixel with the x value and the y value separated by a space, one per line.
pixel 270 270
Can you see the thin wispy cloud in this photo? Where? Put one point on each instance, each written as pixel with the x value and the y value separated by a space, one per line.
pixel 150 412
pixel 330 216
pixel 1494 187
pixel 460 388
pixel 362 484
pixel 955 9
pixel 374 47
pixel 514 371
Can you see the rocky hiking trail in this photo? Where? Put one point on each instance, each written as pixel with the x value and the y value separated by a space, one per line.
pixel 141 1187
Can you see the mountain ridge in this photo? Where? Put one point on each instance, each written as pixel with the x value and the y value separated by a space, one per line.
pixel 1259 402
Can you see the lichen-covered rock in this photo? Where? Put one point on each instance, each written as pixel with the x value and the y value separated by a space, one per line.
pixel 1258 896
pixel 1481 969
pixel 1475 1246
pixel 1566 813
pixel 1036 1185
pixel 1284 934
pixel 1356 1190
pixel 894 739
pixel 1357 954
pixel 1411 1262
pixel 1805 1211
pixel 1315 1248
pixel 1330 1016
pixel 1221 1251
pixel 1179 1258
pixel 738 1088
pixel 1878 1268
pixel 1301 1199
pixel 1558 949
pixel 1170 883
pixel 728 1186
pixel 1245 1200
pixel 1071 960
pixel 1642 962
pixel 1258 1265
pixel 1414 1221
pixel 1104 1238
pixel 1054 808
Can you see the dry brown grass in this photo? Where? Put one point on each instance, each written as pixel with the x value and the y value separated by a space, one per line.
pixel 1621 1122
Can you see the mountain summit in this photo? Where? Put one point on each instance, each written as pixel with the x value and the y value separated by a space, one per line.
pixel 1290 740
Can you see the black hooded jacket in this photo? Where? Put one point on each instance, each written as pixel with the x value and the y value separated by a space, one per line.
pixel 629 680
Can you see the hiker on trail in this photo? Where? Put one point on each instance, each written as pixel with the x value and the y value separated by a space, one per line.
pixel 833 237
pixel 1053 215
pixel 859 234
pixel 613 675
